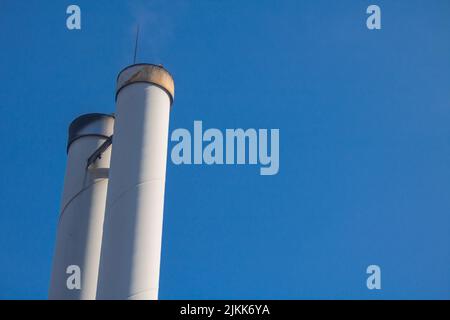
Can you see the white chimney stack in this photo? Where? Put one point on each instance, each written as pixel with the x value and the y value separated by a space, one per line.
pixel 78 242
pixel 132 232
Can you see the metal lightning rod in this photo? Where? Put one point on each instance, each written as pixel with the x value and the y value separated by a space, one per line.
pixel 136 44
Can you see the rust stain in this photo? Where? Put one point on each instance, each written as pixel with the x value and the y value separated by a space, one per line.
pixel 148 73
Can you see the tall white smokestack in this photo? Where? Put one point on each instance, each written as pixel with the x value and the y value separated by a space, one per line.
pixel 131 246
pixel 79 235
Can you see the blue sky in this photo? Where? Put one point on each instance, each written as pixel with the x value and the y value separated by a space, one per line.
pixel 364 119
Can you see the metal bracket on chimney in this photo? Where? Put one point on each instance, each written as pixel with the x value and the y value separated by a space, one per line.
pixel 98 153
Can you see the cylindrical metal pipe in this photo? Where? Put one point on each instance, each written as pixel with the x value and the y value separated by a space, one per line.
pixel 79 234
pixel 132 234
